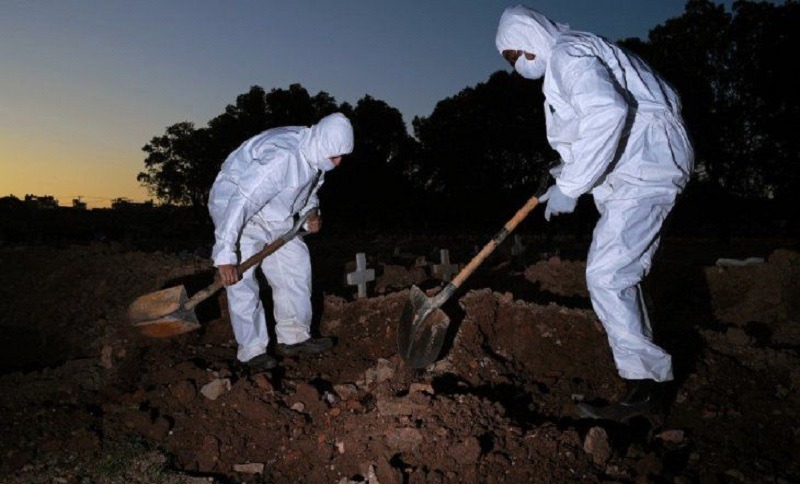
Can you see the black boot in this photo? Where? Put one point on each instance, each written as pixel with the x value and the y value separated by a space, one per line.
pixel 262 362
pixel 309 346
pixel 643 398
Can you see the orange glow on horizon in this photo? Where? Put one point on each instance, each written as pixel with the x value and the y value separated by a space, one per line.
pixel 67 172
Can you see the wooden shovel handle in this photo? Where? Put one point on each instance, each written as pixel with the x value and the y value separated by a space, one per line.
pixel 203 295
pixel 496 240
pixel 254 259
pixel 262 254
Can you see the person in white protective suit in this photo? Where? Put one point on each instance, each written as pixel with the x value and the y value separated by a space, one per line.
pixel 262 185
pixel 617 127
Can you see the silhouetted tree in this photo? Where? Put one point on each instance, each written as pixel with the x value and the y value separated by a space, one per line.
pixel 370 186
pixel 733 74
pixel 760 92
pixel 10 202
pixel 486 145
pixel 173 162
pixel 182 164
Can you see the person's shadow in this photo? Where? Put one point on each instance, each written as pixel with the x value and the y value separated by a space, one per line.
pixel 679 304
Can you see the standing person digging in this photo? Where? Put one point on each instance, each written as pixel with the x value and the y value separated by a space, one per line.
pixel 262 185
pixel 618 129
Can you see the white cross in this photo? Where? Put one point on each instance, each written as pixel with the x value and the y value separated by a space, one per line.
pixel 361 275
pixel 445 270
pixel 518 248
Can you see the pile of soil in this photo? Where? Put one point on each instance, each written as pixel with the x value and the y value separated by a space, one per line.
pixel 86 399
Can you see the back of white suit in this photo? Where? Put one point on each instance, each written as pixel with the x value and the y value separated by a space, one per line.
pixel 261 186
pixel 621 137
pixel 646 122
pixel 267 179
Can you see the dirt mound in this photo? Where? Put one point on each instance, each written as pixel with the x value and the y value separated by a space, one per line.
pixel 764 293
pixel 62 304
pixel 498 407
pixel 561 277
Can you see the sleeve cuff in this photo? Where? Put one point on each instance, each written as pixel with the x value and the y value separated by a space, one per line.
pixel 222 254
pixel 571 192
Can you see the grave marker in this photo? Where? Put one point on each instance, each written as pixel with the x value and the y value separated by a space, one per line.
pixel 518 248
pixel 445 269
pixel 361 275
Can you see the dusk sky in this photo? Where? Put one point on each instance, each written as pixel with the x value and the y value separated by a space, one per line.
pixel 85 84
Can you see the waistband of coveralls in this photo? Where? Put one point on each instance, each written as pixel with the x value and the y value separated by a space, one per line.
pixel 658 113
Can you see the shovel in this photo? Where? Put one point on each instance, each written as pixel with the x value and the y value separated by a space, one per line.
pixel 423 325
pixel 170 312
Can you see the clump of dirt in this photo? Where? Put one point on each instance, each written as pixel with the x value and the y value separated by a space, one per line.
pixel 558 276
pixel 764 293
pixel 394 277
pixel 497 406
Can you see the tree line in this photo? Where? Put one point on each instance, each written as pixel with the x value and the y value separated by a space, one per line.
pixel 483 151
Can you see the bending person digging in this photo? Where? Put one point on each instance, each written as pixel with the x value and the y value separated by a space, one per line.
pixel 262 185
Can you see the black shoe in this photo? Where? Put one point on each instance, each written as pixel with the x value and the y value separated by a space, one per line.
pixel 309 346
pixel 261 362
pixel 643 398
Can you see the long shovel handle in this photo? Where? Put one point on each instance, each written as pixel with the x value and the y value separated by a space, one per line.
pixel 444 294
pixel 254 259
pixel 496 240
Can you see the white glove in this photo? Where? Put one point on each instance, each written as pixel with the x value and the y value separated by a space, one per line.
pixel 557 202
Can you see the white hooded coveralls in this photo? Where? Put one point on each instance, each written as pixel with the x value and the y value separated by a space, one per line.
pixel 618 129
pixel 261 186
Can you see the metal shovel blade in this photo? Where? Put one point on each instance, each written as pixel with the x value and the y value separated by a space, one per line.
pixel 156 304
pixel 421 331
pixel 423 325
pixel 176 323
pixel 170 312
pixel 159 314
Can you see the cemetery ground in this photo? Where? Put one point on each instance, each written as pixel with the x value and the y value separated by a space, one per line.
pixel 86 399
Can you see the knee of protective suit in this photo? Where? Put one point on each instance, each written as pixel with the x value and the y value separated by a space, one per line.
pixel 611 279
pixel 598 279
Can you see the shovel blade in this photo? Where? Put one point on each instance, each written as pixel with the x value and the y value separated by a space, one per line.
pixel 157 304
pixel 168 326
pixel 421 331
pixel 160 314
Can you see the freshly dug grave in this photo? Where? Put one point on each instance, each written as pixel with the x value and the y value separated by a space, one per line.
pixel 497 408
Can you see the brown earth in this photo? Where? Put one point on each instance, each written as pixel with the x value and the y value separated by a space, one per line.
pixel 86 399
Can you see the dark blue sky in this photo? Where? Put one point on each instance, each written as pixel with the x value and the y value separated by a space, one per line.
pixel 85 84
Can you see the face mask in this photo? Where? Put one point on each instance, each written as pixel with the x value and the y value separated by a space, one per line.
pixel 326 164
pixel 530 69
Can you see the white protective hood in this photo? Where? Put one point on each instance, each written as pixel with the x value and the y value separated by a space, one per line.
pixel 522 28
pixel 332 136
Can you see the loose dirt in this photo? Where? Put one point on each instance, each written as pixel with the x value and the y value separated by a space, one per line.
pixel 86 399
